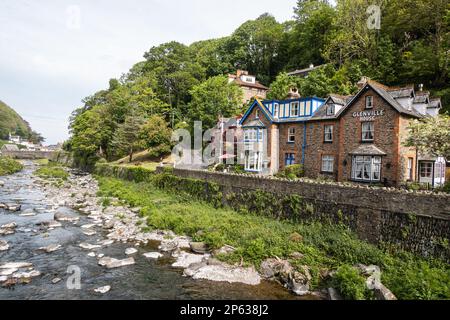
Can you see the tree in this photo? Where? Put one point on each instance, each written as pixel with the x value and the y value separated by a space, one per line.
pixel 279 89
pixel 156 136
pixel 314 22
pixel 430 136
pixel 126 138
pixel 213 98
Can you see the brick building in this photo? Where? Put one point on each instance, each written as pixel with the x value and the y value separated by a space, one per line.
pixel 347 138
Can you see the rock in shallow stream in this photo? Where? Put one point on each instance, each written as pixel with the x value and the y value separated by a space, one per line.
pixel 112 263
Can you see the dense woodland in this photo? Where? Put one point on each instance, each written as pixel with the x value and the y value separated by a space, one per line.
pixel 176 84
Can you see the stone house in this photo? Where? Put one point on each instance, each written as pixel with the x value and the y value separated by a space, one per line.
pixel 349 138
pixel 250 86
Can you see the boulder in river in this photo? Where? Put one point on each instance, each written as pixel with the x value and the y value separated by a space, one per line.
pixel 89 232
pixel 51 248
pixel 8 272
pixel 103 290
pixel 152 255
pixel 185 259
pixel 130 251
pixel 56 280
pixel 11 225
pixel 226 249
pixel 88 246
pixel 13 207
pixel 224 273
pixel 199 247
pixel 4 245
pixel 18 265
pixel 60 216
pixel 26 275
pixel 111 263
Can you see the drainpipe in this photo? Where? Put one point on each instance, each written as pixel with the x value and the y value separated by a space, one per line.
pixel 304 143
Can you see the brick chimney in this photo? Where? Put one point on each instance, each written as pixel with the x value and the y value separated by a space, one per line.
pixel 293 93
pixel 240 73
pixel 362 82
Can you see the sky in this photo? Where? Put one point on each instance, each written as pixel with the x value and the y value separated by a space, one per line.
pixel 55 53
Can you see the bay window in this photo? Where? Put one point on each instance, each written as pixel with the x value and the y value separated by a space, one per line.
pixel 366 168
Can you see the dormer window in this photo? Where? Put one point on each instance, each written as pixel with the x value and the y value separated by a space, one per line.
pixel 369 102
pixel 330 110
pixel 294 109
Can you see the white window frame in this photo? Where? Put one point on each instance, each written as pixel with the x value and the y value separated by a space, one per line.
pixel 328 134
pixel 369 102
pixel 331 110
pixel 291 134
pixel 369 130
pixel 409 167
pixel 295 106
pixel 257 113
pixel 253 161
pixel 328 164
pixel 276 110
pixel 366 168
pixel 426 165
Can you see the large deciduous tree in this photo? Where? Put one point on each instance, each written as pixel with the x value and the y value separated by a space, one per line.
pixel 213 98
pixel 156 136
pixel 431 136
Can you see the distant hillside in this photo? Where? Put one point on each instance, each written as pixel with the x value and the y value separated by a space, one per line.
pixel 11 121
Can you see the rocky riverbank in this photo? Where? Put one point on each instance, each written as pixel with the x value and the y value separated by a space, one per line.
pixel 111 223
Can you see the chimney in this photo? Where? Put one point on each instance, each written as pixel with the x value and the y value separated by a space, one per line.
pixel 362 82
pixel 293 93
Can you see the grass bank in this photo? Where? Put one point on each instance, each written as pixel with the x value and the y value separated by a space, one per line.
pixel 9 166
pixel 51 171
pixel 322 247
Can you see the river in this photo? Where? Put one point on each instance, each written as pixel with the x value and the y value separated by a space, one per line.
pixel 146 279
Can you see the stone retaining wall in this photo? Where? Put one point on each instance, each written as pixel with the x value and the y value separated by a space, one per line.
pixel 28 155
pixel 415 221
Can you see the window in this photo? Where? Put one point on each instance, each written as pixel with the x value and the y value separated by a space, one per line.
pixel 330 110
pixel 289 159
pixel 327 163
pixel 366 168
pixel 276 110
pixel 369 102
pixel 257 114
pixel 328 133
pixel 253 135
pixel 367 131
pixel 291 135
pixel 410 168
pixel 426 170
pixel 253 160
pixel 294 109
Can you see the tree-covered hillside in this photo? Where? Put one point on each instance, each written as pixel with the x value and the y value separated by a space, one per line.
pixel 181 83
pixel 11 121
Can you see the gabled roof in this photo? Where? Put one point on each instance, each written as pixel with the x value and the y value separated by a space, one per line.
pixel 10 147
pixel 241 83
pixel 257 103
pixel 321 113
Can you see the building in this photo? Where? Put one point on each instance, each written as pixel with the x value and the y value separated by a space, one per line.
pixel 14 139
pixel 226 129
pixel 345 138
pixel 304 72
pixel 10 147
pixel 250 86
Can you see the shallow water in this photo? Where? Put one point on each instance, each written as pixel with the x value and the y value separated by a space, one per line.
pixel 147 279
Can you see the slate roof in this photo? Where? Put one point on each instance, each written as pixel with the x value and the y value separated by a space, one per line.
pixel 321 113
pixel 241 83
pixel 368 150
pixel 10 147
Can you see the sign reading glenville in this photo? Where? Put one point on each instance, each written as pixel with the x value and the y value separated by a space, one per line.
pixel 368 115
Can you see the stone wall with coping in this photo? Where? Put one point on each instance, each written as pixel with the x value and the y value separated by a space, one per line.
pixel 417 221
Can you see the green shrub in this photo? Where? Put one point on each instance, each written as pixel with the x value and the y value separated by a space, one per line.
pixel 52 172
pixel 350 283
pixel 292 172
pixel 9 166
